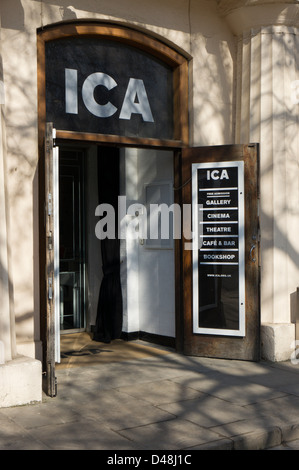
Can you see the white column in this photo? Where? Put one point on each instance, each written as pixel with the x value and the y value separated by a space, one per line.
pixel 268 113
pixel 20 377
pixel 7 323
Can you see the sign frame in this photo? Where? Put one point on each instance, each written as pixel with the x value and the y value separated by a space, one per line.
pixel 198 222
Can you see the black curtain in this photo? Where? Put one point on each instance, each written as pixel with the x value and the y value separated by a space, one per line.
pixel 110 309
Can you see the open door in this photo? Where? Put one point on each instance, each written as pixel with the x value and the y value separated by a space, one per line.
pixel 52 259
pixel 220 269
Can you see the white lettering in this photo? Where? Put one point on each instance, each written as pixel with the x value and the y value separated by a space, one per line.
pixel 219 229
pixel 209 243
pixel 136 101
pixel 218 202
pixel 119 460
pixel 224 175
pixel 229 243
pixel 105 228
pixel 163 222
pixel 91 82
pixel 71 95
pixel 218 216
pixel 214 174
pixel 225 257
pixel 134 221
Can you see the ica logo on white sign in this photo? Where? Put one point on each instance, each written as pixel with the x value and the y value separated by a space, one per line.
pixel 217 175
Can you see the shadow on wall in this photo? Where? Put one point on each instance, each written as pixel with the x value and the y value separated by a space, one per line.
pixel 67 13
pixel 12 21
pixel 17 20
pixel 128 10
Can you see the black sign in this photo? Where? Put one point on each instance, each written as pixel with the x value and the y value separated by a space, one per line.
pixel 220 257
pixel 107 87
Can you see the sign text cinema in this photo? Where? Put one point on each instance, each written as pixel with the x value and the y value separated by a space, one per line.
pixel 135 100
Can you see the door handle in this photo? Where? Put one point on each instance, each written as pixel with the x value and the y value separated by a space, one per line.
pixel 251 253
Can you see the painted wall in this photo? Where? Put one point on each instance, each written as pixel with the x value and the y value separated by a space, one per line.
pixel 192 26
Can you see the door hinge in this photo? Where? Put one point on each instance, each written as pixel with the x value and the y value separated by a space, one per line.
pixel 49 204
pixel 50 242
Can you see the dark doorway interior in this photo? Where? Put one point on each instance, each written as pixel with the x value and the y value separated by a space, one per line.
pixel 72 240
pixel 74 250
pixel 110 309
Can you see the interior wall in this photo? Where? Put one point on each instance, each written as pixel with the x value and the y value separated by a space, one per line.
pixel 147 272
pixel 156 265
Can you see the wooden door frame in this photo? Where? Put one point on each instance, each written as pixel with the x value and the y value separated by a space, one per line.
pixel 143 40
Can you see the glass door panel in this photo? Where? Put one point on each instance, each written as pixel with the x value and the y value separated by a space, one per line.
pixel 72 240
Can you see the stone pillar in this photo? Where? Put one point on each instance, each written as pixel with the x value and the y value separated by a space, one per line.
pixel 20 377
pixel 268 113
pixel 7 322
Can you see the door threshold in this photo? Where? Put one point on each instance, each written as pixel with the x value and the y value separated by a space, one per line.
pixel 72 331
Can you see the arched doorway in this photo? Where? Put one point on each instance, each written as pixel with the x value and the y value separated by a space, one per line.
pixel 105 85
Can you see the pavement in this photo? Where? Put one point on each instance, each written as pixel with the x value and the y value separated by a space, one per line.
pixel 168 402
